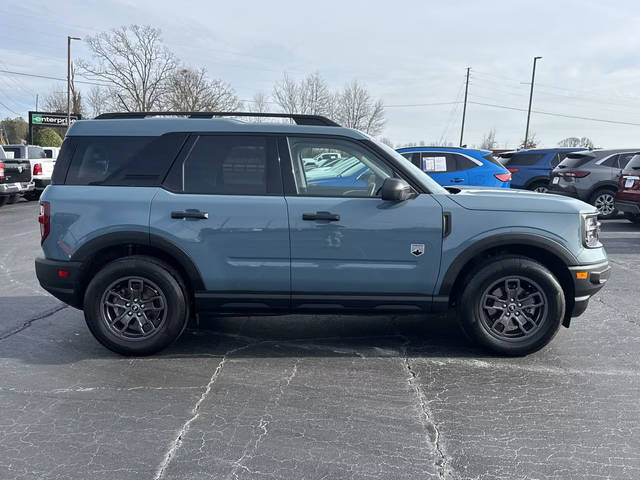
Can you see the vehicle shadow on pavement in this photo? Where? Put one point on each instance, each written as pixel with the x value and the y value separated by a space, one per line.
pixel 62 337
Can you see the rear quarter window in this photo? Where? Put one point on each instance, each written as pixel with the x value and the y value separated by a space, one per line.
pixel 119 161
pixel 633 165
pixel 523 159
pixel 574 160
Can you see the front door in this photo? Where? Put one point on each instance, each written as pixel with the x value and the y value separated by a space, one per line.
pixel 223 205
pixel 349 248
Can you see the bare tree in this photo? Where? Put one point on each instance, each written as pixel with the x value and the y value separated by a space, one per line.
pixel 576 142
pixel 56 100
pixel 98 101
pixel 532 142
pixel 387 141
pixel 191 91
pixel 356 109
pixel 258 104
pixel 135 64
pixel 285 94
pixel 489 140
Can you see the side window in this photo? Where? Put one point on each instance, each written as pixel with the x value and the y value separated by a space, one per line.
pixel 36 152
pixel 436 162
pixel 624 159
pixel 557 158
pixel 413 157
pixel 232 165
pixel 463 163
pixel 612 161
pixel 356 173
pixel 525 159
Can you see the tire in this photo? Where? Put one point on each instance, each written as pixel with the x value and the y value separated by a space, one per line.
pixel 604 201
pixel 540 187
pixel 632 218
pixel 113 297
pixel 12 199
pixel 511 336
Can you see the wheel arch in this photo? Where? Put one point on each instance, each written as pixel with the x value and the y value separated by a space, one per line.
pixel 537 179
pixel 103 249
pixel 554 256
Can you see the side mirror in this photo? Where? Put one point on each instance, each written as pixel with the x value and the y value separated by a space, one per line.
pixel 395 190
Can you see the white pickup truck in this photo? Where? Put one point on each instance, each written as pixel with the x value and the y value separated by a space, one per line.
pixel 41 166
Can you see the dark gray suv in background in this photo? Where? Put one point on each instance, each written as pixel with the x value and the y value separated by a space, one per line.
pixel 591 176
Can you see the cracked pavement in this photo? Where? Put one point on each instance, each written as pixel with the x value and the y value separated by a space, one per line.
pixel 321 397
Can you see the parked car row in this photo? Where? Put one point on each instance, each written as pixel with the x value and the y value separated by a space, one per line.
pixel 25 170
pixel 593 176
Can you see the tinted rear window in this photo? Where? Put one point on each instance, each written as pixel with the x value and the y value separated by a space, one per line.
pixel 16 151
pixel 523 159
pixel 125 161
pixel 575 161
pixel 492 159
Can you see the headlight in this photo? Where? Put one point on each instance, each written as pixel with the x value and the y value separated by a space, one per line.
pixel 591 231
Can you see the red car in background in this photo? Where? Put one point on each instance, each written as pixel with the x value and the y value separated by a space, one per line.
pixel 628 195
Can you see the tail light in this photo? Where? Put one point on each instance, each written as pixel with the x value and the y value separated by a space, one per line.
pixel 513 170
pixel 44 219
pixel 1 169
pixel 503 177
pixel 574 174
pixel 37 169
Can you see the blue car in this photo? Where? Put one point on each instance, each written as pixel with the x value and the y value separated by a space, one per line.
pixel 459 166
pixel 530 169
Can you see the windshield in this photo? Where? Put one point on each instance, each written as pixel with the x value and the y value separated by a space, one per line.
pixel 426 180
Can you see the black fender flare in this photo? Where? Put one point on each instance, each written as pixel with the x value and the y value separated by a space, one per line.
pixel 115 239
pixel 537 179
pixel 502 240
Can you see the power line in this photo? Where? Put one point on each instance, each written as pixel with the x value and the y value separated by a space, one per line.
pixel 51 78
pixel 420 104
pixel 11 110
pixel 555 114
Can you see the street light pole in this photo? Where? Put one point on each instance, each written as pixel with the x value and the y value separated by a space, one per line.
pixel 533 78
pixel 464 108
pixel 69 78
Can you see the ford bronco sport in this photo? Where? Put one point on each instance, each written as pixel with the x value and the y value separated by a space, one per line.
pixel 149 221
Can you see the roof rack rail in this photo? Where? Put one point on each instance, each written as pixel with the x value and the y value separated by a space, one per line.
pixel 299 119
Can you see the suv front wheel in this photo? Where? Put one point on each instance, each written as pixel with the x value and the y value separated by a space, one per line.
pixel 511 305
pixel 136 305
pixel 604 201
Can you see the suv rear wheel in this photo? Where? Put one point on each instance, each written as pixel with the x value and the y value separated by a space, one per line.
pixel 604 201
pixel 136 305
pixel 512 305
pixel 540 187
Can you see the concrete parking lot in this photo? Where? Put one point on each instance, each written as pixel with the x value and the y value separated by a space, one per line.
pixel 315 397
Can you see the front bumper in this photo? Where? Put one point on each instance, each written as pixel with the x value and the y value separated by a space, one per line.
pixel 63 286
pixel 627 206
pixel 587 281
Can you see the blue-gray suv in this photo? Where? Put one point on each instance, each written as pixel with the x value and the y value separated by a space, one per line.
pixel 151 220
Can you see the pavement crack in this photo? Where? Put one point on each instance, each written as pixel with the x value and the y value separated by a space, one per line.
pixel 195 413
pixel 427 420
pixel 29 322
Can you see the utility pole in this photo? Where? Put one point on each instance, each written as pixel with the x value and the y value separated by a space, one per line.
pixel 69 79
pixel 36 102
pixel 464 108
pixel 533 78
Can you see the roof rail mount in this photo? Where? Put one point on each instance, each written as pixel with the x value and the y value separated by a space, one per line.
pixel 298 118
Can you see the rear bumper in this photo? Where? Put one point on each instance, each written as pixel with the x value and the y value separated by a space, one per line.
pixel 15 188
pixel 64 288
pixel 627 206
pixel 587 281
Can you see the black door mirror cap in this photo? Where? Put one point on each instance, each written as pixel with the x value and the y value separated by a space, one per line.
pixel 395 190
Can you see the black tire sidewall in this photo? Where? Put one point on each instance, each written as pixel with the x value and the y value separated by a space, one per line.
pixel 156 272
pixel 489 273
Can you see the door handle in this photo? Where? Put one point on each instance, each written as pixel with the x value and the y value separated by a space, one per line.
pixel 190 214
pixel 327 216
pixel 457 180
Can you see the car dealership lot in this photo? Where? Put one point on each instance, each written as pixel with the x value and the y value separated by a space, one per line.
pixel 315 397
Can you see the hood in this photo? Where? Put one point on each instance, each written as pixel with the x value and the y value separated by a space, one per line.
pixel 511 200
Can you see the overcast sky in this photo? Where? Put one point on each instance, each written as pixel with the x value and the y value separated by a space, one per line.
pixel 405 52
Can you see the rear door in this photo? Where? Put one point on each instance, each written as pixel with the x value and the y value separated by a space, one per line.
pixel 349 248
pixel 223 205
pixel 443 168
